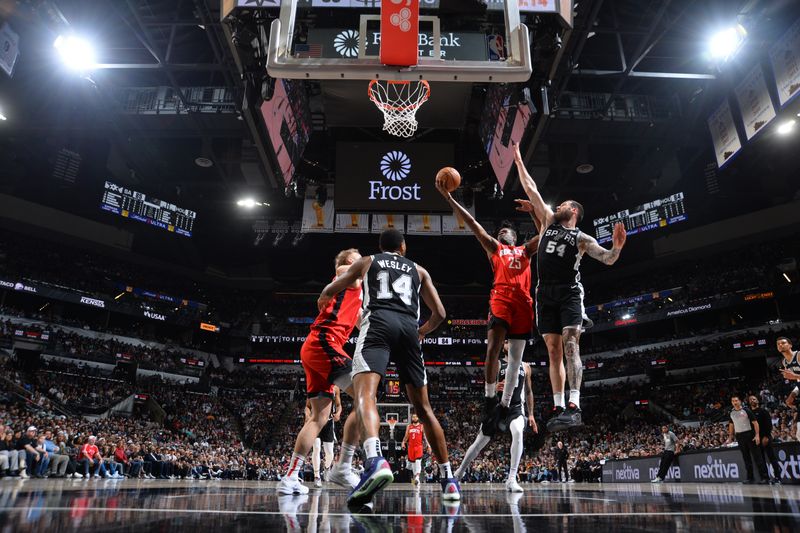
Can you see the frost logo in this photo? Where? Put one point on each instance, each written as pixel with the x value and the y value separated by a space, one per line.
pixel 395 166
pixel 346 43
pixel 716 469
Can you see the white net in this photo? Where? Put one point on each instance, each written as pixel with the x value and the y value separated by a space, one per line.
pixel 399 102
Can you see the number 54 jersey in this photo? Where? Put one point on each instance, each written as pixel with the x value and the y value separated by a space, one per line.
pixel 392 283
pixel 510 301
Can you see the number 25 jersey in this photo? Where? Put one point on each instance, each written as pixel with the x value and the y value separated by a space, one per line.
pixel 512 272
pixel 392 283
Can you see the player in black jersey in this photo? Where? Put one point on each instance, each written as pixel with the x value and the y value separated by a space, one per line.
pixel 519 414
pixel 559 293
pixel 390 330
pixel 790 369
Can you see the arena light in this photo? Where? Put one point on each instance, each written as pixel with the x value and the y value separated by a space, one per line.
pixel 626 316
pixel 787 127
pixel 727 42
pixel 2 116
pixel 76 53
pixel 785 275
pixel 249 203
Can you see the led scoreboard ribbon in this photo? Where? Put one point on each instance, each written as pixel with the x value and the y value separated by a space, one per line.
pixel 137 206
pixel 652 215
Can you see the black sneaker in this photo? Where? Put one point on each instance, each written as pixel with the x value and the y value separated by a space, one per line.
pixel 502 418
pixel 569 419
pixel 748 481
pixel 489 405
pixel 775 481
pixel 553 423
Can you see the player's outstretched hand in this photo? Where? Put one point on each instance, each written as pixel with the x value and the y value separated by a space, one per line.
pixel 524 205
pixel 532 424
pixel 788 374
pixel 517 154
pixel 322 302
pixel 440 187
pixel 620 235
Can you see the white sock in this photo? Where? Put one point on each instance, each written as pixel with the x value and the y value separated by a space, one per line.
pixel 372 447
pixel 315 456
pixel 517 428
pixel 444 470
pixel 575 397
pixel 327 447
pixel 490 389
pixel 516 347
pixel 346 455
pixel 296 464
pixel 558 399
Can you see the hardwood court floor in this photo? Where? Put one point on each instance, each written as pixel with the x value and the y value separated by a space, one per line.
pixel 204 506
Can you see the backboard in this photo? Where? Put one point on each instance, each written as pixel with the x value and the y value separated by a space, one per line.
pixel 495 49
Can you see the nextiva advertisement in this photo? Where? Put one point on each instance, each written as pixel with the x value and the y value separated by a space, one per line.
pixel 390 177
pixel 712 466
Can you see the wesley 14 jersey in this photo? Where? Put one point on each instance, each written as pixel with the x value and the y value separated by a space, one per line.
pixel 392 283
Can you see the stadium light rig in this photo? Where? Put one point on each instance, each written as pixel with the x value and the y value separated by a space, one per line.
pixel 2 116
pixel 725 43
pixel 76 53
pixel 787 127
pixel 249 203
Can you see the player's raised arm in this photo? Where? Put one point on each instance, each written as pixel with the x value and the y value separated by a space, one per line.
pixel 540 209
pixel 488 242
pixel 340 271
pixel 431 298
pixel 351 276
pixel 590 246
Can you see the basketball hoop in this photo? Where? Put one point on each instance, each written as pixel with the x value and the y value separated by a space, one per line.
pixel 392 423
pixel 399 101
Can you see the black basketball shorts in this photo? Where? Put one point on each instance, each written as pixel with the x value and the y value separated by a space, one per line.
pixel 558 307
pixel 387 336
pixel 327 434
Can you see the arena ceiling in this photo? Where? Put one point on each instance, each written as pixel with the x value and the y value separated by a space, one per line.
pixel 649 53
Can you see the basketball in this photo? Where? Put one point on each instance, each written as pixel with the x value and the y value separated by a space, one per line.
pixel 450 178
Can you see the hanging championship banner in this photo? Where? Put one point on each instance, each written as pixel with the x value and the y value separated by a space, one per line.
pixel 723 134
pixel 382 222
pixel 785 57
pixel 9 48
pixel 754 102
pixel 424 225
pixel 352 223
pixel 318 218
pixel 454 225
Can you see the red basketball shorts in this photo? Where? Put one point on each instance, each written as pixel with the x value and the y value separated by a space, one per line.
pixel 326 364
pixel 516 314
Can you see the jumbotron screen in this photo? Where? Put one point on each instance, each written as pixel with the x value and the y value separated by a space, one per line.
pixel 137 206
pixel 652 215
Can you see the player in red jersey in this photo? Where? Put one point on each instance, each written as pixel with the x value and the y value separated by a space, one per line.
pixel 413 440
pixel 510 304
pixel 326 365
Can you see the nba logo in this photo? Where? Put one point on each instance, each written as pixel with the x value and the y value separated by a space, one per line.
pixel 496 46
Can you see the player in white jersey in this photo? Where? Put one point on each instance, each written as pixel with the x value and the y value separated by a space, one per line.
pixel 519 412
